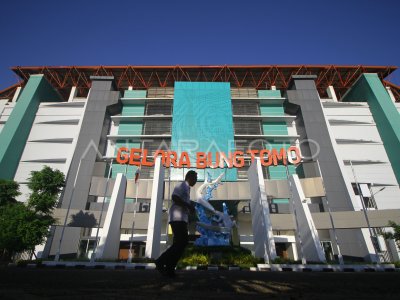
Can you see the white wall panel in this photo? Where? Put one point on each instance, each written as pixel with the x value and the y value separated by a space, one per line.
pixel 25 168
pixel 292 129
pixel 356 132
pixel 387 198
pixel 7 110
pixel 42 151
pixel 45 118
pixel 348 111
pixel 4 118
pixel 373 173
pixel 363 118
pixel 61 111
pixel 357 152
pixel 39 151
pixel 52 131
pixel 3 104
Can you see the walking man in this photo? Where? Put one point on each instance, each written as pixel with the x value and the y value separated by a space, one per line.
pixel 178 219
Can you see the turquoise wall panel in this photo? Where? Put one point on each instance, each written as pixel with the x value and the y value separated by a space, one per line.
pixel 279 128
pixel 133 110
pixel 202 116
pixel 135 94
pixel 134 128
pixel 271 110
pixel 15 132
pixel 269 93
pixel 129 128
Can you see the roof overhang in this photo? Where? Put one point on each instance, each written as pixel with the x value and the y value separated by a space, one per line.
pixel 240 76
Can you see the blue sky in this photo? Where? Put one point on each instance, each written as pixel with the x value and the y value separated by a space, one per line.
pixel 58 33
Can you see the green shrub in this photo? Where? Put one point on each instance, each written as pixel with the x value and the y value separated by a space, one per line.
pixel 24 263
pixel 245 260
pixel 195 260
pixel 218 255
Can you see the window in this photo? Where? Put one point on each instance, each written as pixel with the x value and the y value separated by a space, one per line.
pixel 157 127
pixel 160 93
pixel 367 197
pixel 157 144
pixel 247 127
pixel 244 145
pixel 243 93
pixel 245 108
pixel 158 108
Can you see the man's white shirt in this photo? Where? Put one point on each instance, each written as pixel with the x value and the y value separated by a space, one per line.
pixel 177 212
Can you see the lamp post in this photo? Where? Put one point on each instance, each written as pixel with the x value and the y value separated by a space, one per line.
pixel 340 256
pixel 130 254
pixel 372 236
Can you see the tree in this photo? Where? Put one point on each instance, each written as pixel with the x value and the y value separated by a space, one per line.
pixel 25 226
pixel 9 189
pixel 395 235
pixel 46 181
pixel 21 228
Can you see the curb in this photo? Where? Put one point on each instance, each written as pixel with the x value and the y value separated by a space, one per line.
pixel 213 268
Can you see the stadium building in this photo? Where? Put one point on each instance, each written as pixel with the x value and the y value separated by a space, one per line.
pixel 309 155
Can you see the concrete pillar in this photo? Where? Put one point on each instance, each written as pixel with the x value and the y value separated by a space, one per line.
pixel 312 249
pixel 155 216
pixel 72 94
pixel 16 94
pixel 331 93
pixel 264 244
pixel 108 247
pixel 302 92
pixel 391 94
pixel 394 250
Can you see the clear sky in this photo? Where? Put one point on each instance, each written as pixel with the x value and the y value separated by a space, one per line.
pixel 204 32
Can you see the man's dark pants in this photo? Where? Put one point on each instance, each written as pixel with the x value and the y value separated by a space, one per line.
pixel 172 255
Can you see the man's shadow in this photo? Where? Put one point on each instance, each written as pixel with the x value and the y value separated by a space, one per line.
pixel 82 219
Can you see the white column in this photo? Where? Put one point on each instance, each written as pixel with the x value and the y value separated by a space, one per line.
pixel 264 244
pixel 155 216
pixel 72 94
pixel 394 251
pixel 108 247
pixel 331 93
pixel 388 89
pixel 312 248
pixel 16 94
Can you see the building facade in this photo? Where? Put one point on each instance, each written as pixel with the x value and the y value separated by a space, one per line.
pixel 98 125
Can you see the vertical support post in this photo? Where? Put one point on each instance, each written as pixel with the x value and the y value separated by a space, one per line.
pixel 340 256
pixel 313 250
pixel 110 235
pixel 264 244
pixel 371 233
pixel 155 216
